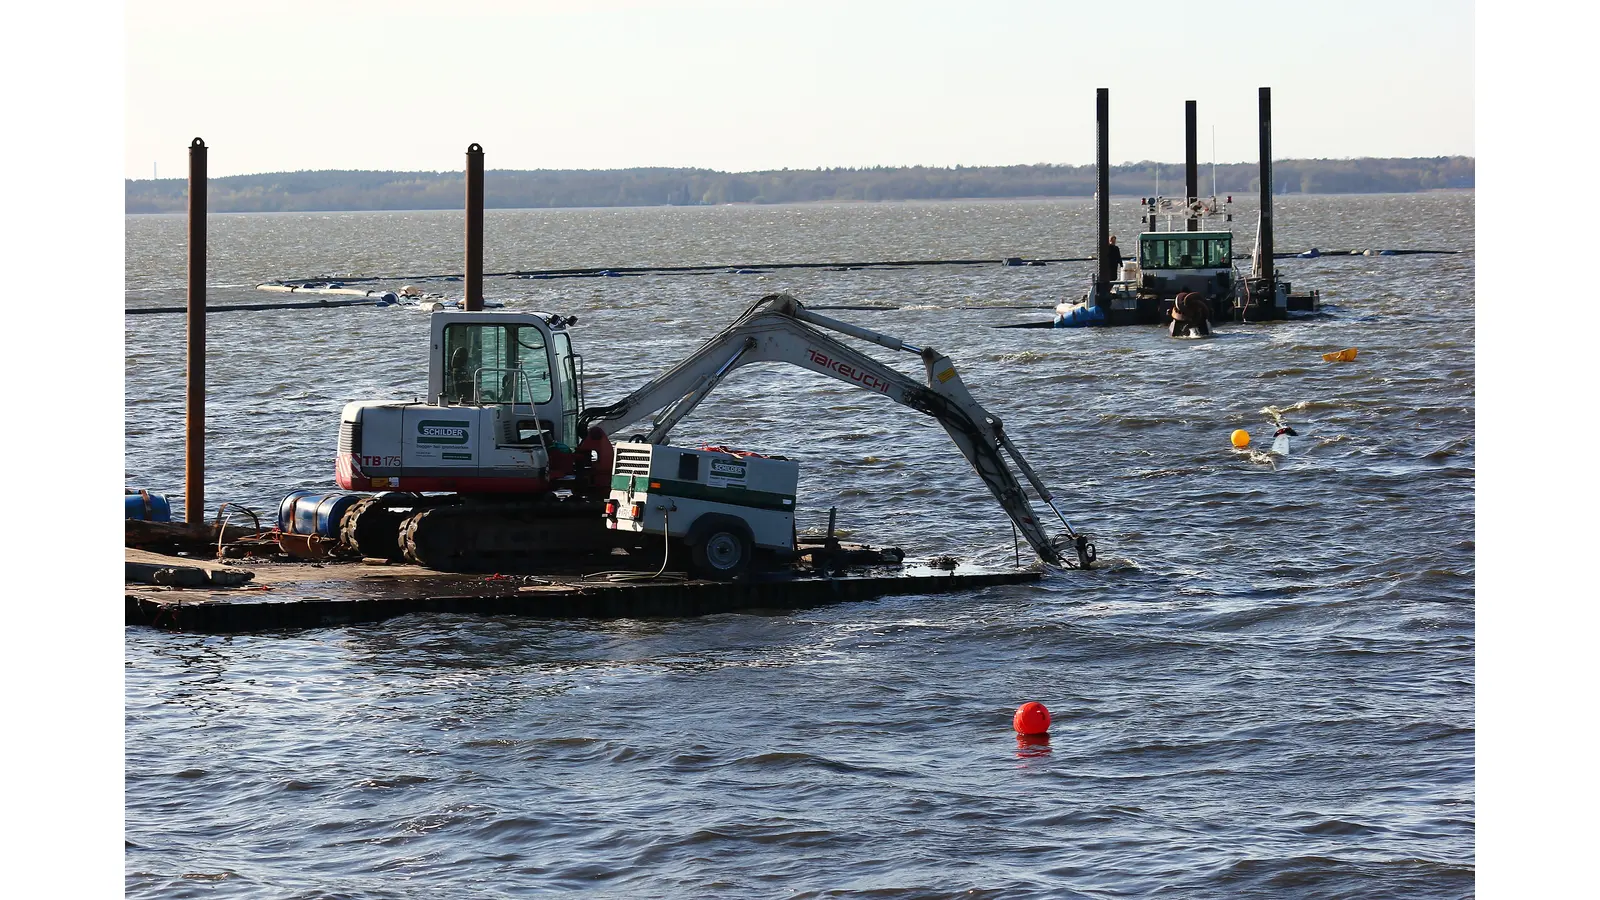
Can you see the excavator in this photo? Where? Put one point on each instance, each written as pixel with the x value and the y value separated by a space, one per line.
pixel 503 461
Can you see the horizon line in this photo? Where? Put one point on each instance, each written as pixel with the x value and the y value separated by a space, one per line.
pixel 951 167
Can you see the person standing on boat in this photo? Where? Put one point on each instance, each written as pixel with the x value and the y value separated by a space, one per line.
pixel 1114 254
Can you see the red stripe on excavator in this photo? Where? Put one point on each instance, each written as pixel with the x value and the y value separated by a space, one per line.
pixel 349 477
pixel 468 485
pixel 347 474
pixel 471 485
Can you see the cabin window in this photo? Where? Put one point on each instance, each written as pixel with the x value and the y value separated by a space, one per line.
pixel 1186 253
pixel 1160 254
pixel 496 364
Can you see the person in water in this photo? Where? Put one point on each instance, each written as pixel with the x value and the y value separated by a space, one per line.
pixel 1191 316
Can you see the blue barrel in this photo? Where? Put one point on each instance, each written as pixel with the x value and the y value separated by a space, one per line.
pixel 146 506
pixel 305 512
pixel 286 510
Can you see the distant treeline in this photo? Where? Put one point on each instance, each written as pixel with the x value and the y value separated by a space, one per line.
pixel 545 188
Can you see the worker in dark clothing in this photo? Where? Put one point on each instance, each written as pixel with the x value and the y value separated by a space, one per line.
pixel 1114 255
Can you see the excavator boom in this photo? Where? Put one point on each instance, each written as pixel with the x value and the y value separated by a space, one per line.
pixel 778 328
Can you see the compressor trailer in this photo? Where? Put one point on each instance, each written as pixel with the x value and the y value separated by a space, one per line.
pixel 503 462
pixel 724 507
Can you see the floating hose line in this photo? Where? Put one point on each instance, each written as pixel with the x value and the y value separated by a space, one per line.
pixel 292 284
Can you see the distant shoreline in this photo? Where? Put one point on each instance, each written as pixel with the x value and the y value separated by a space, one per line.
pixel 363 191
pixel 747 205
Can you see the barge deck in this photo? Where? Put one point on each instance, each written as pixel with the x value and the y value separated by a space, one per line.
pixel 279 596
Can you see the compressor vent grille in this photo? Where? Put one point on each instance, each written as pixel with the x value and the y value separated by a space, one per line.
pixel 632 462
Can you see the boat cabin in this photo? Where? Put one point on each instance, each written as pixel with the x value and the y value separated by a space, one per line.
pixel 1162 250
pixel 1171 262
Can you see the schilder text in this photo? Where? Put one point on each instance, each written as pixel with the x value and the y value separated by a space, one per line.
pixel 437 432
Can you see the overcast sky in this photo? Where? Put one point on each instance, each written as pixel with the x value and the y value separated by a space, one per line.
pixel 407 84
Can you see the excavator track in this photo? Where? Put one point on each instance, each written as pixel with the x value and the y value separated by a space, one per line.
pixel 484 537
pixel 372 529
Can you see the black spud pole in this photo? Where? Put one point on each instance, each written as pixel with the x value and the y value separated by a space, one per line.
pixel 194 445
pixel 474 228
pixel 1102 114
pixel 1191 165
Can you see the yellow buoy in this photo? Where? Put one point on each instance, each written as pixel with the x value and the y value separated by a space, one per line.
pixel 1346 355
pixel 1241 438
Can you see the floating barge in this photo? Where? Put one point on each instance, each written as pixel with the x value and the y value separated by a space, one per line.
pixel 516 496
pixel 1173 262
pixel 211 597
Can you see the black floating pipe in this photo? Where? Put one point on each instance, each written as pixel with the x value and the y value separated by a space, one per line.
pixel 474 275
pixel 1266 189
pixel 1191 164
pixel 1102 156
pixel 194 444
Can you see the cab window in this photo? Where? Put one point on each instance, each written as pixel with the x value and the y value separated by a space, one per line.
pixel 496 364
pixel 1153 254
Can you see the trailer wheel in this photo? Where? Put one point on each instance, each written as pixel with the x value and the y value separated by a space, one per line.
pixel 723 550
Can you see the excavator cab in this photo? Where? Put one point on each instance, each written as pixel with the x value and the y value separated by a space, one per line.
pixel 521 364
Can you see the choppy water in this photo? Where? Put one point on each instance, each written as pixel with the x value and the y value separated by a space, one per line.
pixel 1266 692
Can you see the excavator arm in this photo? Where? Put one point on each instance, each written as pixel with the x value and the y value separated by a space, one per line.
pixel 778 328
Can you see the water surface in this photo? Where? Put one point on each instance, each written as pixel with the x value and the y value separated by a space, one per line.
pixel 1266 691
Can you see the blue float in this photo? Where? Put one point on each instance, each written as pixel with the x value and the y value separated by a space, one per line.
pixel 1080 315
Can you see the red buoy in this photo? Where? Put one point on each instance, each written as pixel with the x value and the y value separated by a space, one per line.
pixel 1031 718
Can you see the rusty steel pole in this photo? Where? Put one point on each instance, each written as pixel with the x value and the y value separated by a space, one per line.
pixel 1267 271
pixel 474 228
pixel 194 446
pixel 1102 116
pixel 1191 164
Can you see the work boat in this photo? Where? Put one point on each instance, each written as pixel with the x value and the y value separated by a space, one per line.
pixel 1173 260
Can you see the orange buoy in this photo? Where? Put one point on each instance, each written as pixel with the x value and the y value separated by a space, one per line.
pixel 1240 438
pixel 1031 718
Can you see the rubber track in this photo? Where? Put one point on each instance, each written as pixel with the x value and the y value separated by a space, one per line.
pixel 372 530
pixel 468 538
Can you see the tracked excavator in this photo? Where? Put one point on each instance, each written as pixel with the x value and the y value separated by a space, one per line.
pixel 503 463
